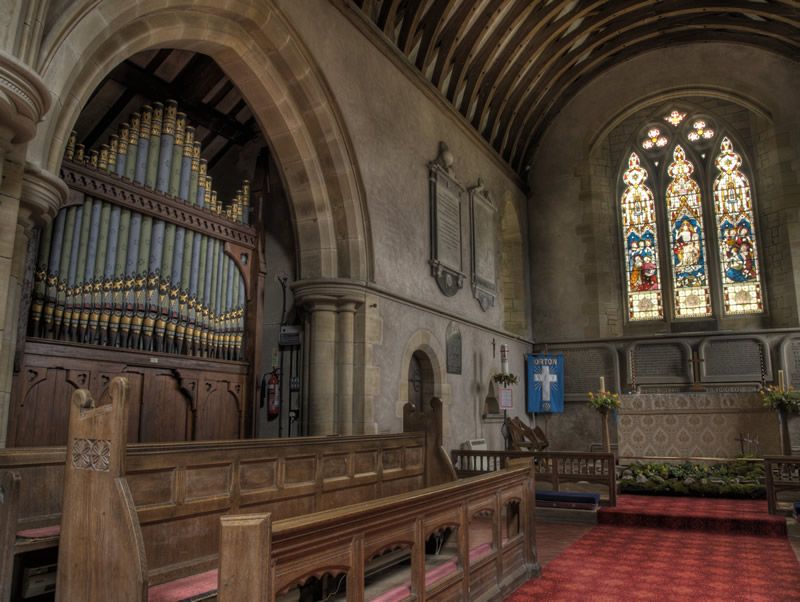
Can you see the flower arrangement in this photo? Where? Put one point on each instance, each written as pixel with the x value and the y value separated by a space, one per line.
pixel 781 399
pixel 505 379
pixel 604 401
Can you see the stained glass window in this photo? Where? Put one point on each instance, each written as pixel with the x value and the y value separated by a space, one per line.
pixel 737 239
pixel 639 230
pixel 675 118
pixel 700 131
pixel 687 242
pixel 654 139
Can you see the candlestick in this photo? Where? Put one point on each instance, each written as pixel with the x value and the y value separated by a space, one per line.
pixel 602 383
pixel 780 380
pixel 504 358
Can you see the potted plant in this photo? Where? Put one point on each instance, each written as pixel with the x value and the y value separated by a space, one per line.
pixel 604 402
pixel 786 402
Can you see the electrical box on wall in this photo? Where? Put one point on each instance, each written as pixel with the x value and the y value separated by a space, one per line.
pixel 290 336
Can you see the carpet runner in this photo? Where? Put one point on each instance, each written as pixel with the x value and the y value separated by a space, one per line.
pixel 650 548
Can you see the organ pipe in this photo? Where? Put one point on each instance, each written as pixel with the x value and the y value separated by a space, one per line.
pixel 109 275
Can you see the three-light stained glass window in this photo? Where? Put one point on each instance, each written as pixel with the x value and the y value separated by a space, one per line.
pixel 737 239
pixel 641 238
pixel 675 205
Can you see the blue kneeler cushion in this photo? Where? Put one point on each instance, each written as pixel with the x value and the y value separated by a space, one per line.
pixel 567 499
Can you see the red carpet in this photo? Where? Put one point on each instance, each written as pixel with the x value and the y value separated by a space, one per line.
pixel 702 549
pixel 709 514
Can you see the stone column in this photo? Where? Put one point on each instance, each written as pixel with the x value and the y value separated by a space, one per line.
pixel 332 305
pixel 344 360
pixel 24 100
pixel 321 371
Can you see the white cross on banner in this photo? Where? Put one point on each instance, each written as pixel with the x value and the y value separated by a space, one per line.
pixel 545 382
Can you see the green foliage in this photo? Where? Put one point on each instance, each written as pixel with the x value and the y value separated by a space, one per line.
pixel 783 400
pixel 505 379
pixel 670 478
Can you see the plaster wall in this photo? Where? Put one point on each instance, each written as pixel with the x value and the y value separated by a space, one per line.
pixel 564 254
pixel 395 130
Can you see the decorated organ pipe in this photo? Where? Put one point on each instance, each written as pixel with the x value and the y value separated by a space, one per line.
pixel 110 275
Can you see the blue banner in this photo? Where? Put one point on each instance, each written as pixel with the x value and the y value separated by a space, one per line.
pixel 545 383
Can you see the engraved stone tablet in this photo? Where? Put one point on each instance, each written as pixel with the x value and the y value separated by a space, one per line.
pixel 484 270
pixel 453 349
pixel 446 265
pixel 583 367
pixel 663 362
pixel 732 359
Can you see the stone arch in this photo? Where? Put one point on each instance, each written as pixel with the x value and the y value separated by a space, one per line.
pixel 258 50
pixel 425 346
pixel 512 270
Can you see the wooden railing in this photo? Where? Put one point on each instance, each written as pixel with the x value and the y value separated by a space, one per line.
pixel 261 559
pixel 782 474
pixel 551 467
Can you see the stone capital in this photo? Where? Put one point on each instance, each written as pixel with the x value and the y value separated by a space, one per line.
pixel 43 194
pixel 329 294
pixel 24 100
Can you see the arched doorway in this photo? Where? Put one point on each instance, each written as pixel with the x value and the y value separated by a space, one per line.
pixel 420 380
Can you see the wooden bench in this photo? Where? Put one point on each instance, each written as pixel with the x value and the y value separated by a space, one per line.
pixel 179 490
pixel 782 474
pixel 555 468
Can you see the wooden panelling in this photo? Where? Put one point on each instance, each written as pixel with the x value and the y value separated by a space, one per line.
pixel 172 398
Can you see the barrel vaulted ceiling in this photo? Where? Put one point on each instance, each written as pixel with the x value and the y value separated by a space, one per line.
pixel 508 66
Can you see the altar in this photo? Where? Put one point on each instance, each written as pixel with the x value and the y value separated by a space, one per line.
pixel 696 425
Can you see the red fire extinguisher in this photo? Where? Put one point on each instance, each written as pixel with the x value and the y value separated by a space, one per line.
pixel 273 400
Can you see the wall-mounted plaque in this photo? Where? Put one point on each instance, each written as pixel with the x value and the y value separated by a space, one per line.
pixel 446 192
pixel 453 349
pixel 484 230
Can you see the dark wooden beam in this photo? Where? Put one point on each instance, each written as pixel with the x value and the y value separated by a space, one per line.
pixel 155 88
pixel 452 31
pixel 408 29
pixel 113 114
pixel 431 25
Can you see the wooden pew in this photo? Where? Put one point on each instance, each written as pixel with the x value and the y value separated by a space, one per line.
pixel 555 468
pixel 261 559
pixel 175 493
pixel 782 474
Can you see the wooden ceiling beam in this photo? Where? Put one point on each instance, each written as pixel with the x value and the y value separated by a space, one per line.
pixel 568 82
pixel 155 88
pixel 408 29
pixel 469 46
pixel 386 18
pixel 451 33
pixel 432 25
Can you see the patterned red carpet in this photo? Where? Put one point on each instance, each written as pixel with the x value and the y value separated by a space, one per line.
pixel 622 563
pixel 711 514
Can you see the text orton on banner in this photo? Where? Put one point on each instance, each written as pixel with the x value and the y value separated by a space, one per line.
pixel 545 382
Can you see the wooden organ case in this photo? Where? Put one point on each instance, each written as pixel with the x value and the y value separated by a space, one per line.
pixel 144 274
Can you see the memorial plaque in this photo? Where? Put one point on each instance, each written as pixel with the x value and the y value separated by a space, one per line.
pixel 453 349
pixel 731 359
pixel 661 362
pixel 790 354
pixel 445 193
pixel 583 367
pixel 484 230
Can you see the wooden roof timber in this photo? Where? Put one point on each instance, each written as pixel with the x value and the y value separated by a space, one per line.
pixel 513 66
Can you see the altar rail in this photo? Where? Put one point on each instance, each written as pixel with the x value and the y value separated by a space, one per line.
pixel 782 474
pixel 260 560
pixel 551 467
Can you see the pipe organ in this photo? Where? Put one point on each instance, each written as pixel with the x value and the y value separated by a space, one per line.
pixel 145 256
